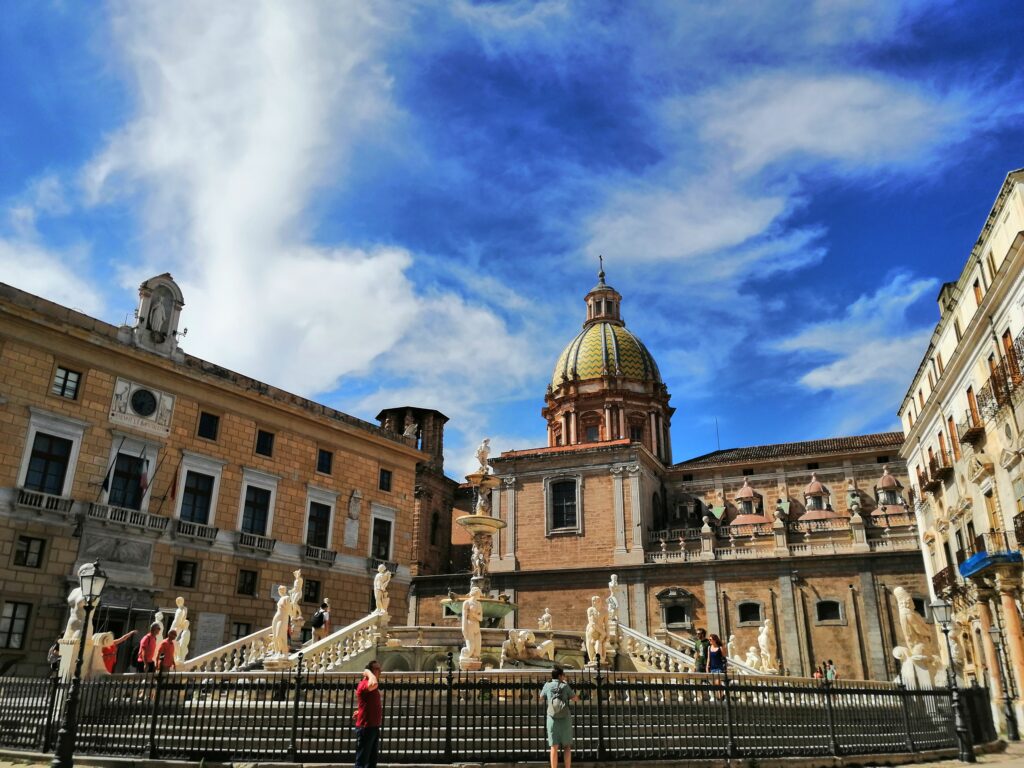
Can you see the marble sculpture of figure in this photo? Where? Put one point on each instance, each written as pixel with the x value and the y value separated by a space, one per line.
pixel 753 659
pixel 612 601
pixel 279 626
pixel 472 615
pixel 296 591
pixel 183 639
pixel 915 630
pixel 730 647
pixel 158 315
pixel 483 452
pixel 764 642
pixel 411 427
pixel 596 631
pixel 76 617
pixel 180 616
pixel 544 622
pixel 380 588
pixel 158 618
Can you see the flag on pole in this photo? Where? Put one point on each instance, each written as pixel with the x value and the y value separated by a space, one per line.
pixel 144 475
pixel 105 486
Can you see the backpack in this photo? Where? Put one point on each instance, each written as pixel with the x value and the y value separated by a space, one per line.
pixel 318 619
pixel 557 708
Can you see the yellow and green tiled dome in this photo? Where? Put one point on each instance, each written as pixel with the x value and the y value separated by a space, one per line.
pixel 605 349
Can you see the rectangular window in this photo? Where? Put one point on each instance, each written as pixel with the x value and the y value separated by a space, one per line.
pixel 593 434
pixel 636 433
pixel 319 526
pixel 380 541
pixel 748 472
pixel 264 443
pixel 126 482
pixel 28 552
pixel 13 623
pixel 931 381
pixel 197 498
pixel 240 629
pixel 1018 493
pixel 324 461
pixel 48 464
pixel 311 591
pixel 209 425
pixel 687 478
pixel 563 504
pixel 990 260
pixel 951 425
pixel 65 383
pixel 256 510
pixel 812 465
pixel 881 459
pixel 247 581
pixel 384 480
pixel 978 295
pixel 186 574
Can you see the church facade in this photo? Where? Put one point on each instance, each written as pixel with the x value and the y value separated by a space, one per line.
pixel 811 536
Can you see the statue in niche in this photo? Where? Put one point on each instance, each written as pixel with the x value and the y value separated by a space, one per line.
pixel 411 427
pixel 380 588
pixel 483 453
pixel 596 633
pixel 159 319
pixel 544 622
pixel 472 615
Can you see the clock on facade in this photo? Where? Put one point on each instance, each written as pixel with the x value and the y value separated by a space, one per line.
pixel 143 402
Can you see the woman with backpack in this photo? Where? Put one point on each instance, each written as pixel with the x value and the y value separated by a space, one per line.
pixel 557 693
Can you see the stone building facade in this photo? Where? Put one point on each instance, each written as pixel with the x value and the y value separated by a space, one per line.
pixel 181 478
pixel 962 417
pixel 813 535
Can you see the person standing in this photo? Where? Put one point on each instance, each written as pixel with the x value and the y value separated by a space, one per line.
pixel 165 652
pixel 830 671
pixel 321 621
pixel 109 652
pixel 557 693
pixel 146 660
pixel 716 655
pixel 368 717
pixel 700 651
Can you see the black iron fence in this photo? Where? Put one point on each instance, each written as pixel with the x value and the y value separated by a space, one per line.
pixel 484 716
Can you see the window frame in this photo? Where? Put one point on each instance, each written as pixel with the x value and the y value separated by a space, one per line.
pixel 256 443
pixel 820 622
pixel 134 447
pixel 199 425
pixel 256 582
pixel 549 509
pixel 203 465
pixel 380 512
pixel 316 598
pixel 57 368
pixel 5 643
pixel 195 573
pixel 383 472
pixel 43 550
pixel 741 622
pixel 258 479
pixel 56 426
pixel 327 498
pixel 235 625
pixel 320 453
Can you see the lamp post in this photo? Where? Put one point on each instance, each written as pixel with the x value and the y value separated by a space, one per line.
pixel 91 580
pixel 1012 731
pixel 943 613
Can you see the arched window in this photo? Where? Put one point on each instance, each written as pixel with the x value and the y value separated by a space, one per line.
pixel 435 524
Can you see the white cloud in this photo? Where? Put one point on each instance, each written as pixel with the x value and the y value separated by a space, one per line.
pixel 52 274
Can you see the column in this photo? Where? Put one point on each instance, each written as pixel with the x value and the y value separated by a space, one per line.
pixel 607 422
pixel 634 500
pixel 572 428
pixel 622 422
pixel 788 629
pixel 1013 631
pixel 499 537
pixel 874 640
pixel 565 427
pixel 509 536
pixel 714 621
pixel 550 436
pixel 619 509
pixel 995 674
pixel 654 433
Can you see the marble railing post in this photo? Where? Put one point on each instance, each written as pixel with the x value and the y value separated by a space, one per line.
pixel 707 543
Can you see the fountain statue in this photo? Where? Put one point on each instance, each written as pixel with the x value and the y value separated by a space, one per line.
pixel 472 614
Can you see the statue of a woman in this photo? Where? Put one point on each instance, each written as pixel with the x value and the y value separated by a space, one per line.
pixel 472 615
pixel 596 631
pixel 380 588
pixel 180 617
pixel 279 626
pixel 76 617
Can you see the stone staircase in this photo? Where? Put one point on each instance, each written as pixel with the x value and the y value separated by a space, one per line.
pixel 650 655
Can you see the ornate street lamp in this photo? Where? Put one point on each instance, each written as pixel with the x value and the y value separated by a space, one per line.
pixel 1012 731
pixel 91 580
pixel 942 611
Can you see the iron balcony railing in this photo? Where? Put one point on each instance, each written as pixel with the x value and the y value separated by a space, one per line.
pixel 945 581
pixel 940 467
pixel 996 392
pixel 1018 529
pixel 988 550
pixel 971 429
pixel 450 716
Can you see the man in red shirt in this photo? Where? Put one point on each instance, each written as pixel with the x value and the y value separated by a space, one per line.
pixel 146 661
pixel 368 717
pixel 165 653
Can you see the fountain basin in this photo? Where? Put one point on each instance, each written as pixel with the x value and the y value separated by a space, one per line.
pixel 476 524
pixel 493 607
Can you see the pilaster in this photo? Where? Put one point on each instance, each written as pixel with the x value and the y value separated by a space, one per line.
pixel 874 640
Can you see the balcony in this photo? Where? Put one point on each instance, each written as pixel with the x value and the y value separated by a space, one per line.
pixel 43 502
pixel 989 550
pixel 971 429
pixel 929 483
pixel 1018 528
pixel 944 582
pixel 373 562
pixel 940 467
pixel 996 392
pixel 319 555
pixel 196 531
pixel 128 518
pixel 256 543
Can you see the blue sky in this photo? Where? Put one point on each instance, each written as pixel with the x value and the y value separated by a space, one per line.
pixel 381 204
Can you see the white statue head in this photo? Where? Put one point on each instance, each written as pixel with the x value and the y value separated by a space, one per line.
pixel 282 590
pixel 614 582
pixel 381 568
pixel 474 591
pixel 179 601
pixel 594 601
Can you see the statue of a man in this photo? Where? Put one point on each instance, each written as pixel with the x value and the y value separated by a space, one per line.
pixel 764 642
pixel 483 452
pixel 472 615
pixel 915 630
pixel 596 631
pixel 544 622
pixel 411 427
pixel 612 601
pixel 753 661
pixel 380 588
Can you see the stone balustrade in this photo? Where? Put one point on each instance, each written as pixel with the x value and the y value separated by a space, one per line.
pixel 44 502
pixel 129 518
pixel 236 656
pixel 333 651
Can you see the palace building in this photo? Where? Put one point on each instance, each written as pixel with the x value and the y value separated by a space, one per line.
pixel 184 478
pixel 963 417
pixel 813 536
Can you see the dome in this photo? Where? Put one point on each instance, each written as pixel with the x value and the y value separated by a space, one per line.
pixel 887 482
pixel 815 488
pixel 605 349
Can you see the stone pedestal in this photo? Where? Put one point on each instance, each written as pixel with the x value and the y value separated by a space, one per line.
pixel 468 664
pixel 277 663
